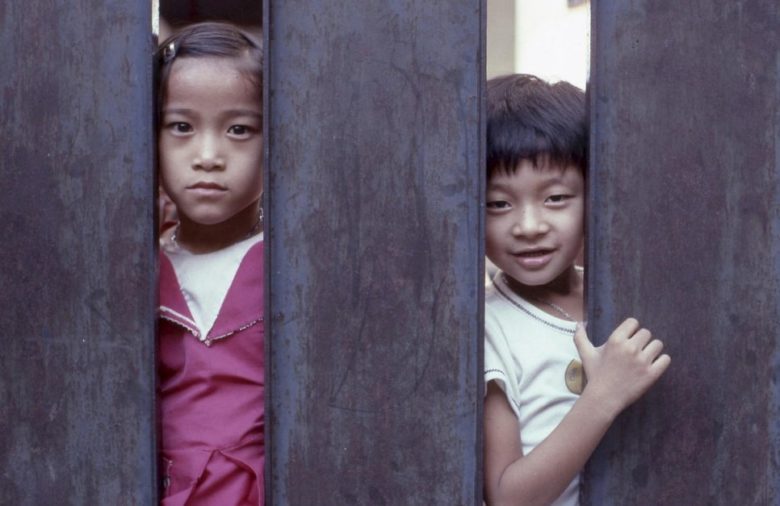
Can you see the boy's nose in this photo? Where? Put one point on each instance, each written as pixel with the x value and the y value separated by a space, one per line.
pixel 529 223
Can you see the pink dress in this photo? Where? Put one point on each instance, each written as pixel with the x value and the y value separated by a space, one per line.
pixel 211 393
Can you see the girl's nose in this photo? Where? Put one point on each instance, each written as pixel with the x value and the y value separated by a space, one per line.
pixel 530 223
pixel 208 157
pixel 208 163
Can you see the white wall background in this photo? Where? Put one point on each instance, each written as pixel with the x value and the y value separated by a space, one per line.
pixel 547 38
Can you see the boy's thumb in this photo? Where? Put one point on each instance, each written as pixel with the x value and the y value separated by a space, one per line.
pixel 581 341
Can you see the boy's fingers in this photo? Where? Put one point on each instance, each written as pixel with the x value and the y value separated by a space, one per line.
pixel 641 338
pixel 626 329
pixel 581 341
pixel 653 349
pixel 661 364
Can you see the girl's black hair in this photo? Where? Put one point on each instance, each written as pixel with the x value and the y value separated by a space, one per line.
pixel 528 118
pixel 207 39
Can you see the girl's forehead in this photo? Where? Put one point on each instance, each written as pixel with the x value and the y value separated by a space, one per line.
pixel 209 79
pixel 190 67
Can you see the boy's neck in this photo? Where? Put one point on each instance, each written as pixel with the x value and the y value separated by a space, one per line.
pixel 562 297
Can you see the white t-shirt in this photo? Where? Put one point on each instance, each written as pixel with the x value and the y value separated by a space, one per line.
pixel 529 353
pixel 206 278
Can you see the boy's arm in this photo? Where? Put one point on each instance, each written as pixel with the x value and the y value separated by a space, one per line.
pixel 619 372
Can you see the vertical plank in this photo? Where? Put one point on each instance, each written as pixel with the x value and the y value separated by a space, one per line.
pixel 77 285
pixel 374 189
pixel 684 234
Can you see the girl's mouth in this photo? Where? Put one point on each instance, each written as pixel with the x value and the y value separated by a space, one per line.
pixel 207 189
pixel 206 185
pixel 534 253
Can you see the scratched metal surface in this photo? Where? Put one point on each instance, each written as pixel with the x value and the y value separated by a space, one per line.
pixel 77 276
pixel 376 156
pixel 685 234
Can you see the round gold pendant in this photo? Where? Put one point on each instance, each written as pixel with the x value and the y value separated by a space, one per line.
pixel 575 377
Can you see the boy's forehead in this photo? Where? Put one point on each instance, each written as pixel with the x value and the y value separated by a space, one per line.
pixel 541 168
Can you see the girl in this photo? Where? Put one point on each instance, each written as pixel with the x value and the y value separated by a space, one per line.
pixel 211 372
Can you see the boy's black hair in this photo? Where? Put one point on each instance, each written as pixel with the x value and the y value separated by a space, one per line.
pixel 208 39
pixel 529 118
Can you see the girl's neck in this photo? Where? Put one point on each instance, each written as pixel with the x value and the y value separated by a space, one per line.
pixel 563 293
pixel 199 238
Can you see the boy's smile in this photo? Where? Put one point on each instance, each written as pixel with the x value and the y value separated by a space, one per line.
pixel 534 221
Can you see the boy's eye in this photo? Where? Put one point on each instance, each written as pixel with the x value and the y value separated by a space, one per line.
pixel 557 199
pixel 180 127
pixel 497 204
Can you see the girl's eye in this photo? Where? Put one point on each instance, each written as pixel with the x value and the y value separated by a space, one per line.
pixel 239 130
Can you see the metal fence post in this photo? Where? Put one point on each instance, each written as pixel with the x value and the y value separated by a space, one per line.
pixel 375 256
pixel 77 264
pixel 685 235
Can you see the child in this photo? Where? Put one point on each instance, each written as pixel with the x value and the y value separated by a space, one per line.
pixel 211 369
pixel 541 422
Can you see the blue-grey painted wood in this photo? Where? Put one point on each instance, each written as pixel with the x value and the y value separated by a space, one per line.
pixel 375 180
pixel 685 235
pixel 77 280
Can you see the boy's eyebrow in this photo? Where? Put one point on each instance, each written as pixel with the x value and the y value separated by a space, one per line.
pixel 497 186
pixel 176 110
pixel 553 181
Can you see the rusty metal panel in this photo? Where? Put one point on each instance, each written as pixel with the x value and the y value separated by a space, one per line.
pixel 77 280
pixel 685 234
pixel 375 257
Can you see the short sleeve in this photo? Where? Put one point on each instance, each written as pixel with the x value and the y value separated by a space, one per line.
pixel 495 370
pixel 500 365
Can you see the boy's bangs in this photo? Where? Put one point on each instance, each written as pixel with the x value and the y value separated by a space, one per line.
pixel 507 146
pixel 530 119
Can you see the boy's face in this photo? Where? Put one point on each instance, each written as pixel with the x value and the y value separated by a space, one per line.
pixel 534 226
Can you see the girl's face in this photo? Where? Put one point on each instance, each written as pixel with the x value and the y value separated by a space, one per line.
pixel 211 143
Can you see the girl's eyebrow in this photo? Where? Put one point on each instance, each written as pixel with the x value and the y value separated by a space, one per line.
pixel 228 113
pixel 243 112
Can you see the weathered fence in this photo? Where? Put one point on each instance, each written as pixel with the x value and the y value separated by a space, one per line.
pixel 77 265
pixel 374 189
pixel 684 234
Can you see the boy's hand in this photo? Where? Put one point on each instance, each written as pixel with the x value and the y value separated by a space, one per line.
pixel 623 368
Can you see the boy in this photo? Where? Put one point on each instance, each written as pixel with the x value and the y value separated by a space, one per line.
pixel 541 420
